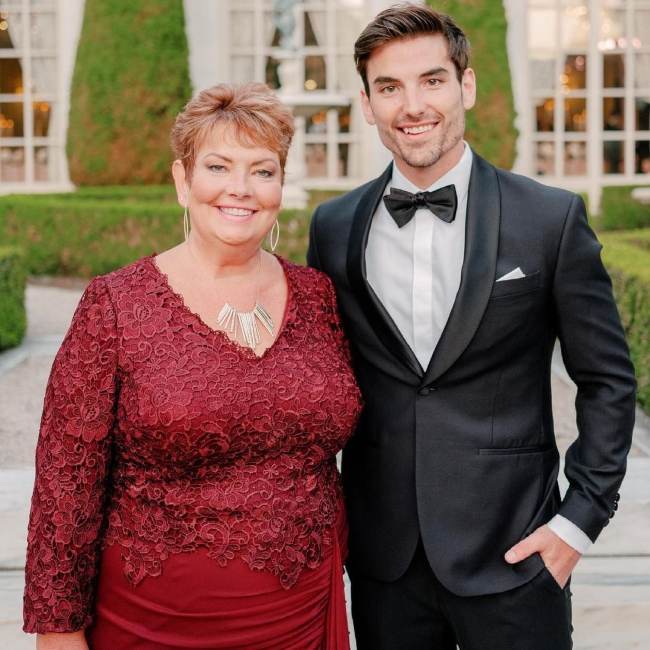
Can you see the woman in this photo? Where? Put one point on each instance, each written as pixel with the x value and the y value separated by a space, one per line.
pixel 186 491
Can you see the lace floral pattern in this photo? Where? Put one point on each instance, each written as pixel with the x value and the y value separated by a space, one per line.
pixel 163 436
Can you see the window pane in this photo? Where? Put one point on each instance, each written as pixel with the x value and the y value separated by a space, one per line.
pixel 316 160
pixel 347 78
pixel 642 70
pixel 43 75
pixel 613 71
pixel 542 31
pixel 11 120
pixel 316 122
pixel 11 76
pixel 545 158
pixel 43 35
pixel 315 28
pixel 613 158
pixel 612 29
pixel 44 162
pixel 272 72
pixel 11 29
pixel 642 157
pixel 613 113
pixel 544 114
pixel 243 68
pixel 575 26
pixel 575 114
pixel 42 114
pixel 12 164
pixel 575 72
pixel 344 119
pixel 542 72
pixel 642 111
pixel 575 158
pixel 242 28
pixel 642 26
pixel 349 23
pixel 315 75
pixel 343 163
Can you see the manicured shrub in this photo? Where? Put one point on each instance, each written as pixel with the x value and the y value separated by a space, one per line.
pixel 627 256
pixel 131 78
pixel 96 230
pixel 619 211
pixel 13 320
pixel 490 124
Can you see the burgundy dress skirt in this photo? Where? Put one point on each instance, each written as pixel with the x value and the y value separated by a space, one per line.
pixel 198 604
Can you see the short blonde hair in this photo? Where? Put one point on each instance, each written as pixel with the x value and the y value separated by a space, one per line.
pixel 253 112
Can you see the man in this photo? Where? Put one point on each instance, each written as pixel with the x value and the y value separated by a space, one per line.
pixel 453 301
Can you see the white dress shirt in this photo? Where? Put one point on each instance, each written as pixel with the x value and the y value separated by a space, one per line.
pixel 415 272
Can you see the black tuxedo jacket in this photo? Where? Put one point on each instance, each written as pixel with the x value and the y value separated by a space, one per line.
pixel 463 453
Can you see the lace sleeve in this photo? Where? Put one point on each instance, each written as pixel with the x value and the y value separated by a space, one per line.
pixel 72 459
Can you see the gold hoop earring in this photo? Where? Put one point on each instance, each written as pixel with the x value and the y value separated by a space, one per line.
pixel 274 235
pixel 186 223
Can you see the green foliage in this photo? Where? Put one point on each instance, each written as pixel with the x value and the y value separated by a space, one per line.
pixel 96 230
pixel 131 79
pixel 627 256
pixel 13 320
pixel 490 124
pixel 619 211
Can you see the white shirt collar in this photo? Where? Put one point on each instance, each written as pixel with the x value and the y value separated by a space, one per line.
pixel 458 175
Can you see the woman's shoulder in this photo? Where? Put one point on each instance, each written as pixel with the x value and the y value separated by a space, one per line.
pixel 307 277
pixel 137 273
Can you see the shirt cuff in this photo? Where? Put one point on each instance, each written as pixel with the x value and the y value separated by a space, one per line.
pixel 568 532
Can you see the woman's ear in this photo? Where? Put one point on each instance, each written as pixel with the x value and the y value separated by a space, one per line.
pixel 180 181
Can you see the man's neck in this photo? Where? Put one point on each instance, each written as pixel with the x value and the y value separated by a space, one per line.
pixel 425 177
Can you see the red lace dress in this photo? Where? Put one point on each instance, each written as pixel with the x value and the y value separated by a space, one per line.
pixel 186 491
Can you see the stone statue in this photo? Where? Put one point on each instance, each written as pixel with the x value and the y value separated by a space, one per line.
pixel 285 21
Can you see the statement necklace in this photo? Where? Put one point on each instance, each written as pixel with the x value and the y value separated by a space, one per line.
pixel 230 319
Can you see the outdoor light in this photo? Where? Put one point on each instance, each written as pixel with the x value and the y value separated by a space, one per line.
pixel 310 84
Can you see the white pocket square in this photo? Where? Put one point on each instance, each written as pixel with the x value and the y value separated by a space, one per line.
pixel 515 274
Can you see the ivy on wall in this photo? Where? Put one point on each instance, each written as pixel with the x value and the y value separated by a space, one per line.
pixel 490 124
pixel 131 78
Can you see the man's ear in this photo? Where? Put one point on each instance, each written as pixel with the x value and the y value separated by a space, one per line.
pixel 180 181
pixel 468 84
pixel 366 108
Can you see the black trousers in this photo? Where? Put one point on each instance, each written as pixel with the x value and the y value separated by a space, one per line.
pixel 417 613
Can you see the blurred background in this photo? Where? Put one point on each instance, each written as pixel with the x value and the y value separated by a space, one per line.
pixel 89 90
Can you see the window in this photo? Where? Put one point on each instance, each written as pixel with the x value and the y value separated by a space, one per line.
pixel 304 51
pixel 589 84
pixel 29 143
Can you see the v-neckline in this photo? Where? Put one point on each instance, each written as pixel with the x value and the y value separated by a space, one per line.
pixel 242 349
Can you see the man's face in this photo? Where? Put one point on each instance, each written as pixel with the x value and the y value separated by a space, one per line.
pixel 417 102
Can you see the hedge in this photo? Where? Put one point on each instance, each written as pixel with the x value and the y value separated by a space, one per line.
pixel 13 319
pixel 97 230
pixel 619 211
pixel 131 78
pixel 627 257
pixel 490 124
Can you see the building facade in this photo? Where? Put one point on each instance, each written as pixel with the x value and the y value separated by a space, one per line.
pixel 582 91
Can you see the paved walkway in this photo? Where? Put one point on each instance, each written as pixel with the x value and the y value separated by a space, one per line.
pixel 611 585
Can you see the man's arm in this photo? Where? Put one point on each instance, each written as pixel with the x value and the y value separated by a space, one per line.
pixel 597 359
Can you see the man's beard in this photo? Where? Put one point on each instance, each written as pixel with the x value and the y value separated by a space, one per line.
pixel 431 154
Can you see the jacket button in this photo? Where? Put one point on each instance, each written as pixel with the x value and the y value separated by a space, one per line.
pixel 617 498
pixel 615 505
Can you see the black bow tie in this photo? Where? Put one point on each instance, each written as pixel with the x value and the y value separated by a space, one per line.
pixel 402 205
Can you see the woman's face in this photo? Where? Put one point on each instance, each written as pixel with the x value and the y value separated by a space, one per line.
pixel 235 192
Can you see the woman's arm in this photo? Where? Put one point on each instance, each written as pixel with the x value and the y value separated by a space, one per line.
pixel 72 460
pixel 61 641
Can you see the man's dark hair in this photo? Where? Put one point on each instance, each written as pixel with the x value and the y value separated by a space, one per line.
pixel 406 21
